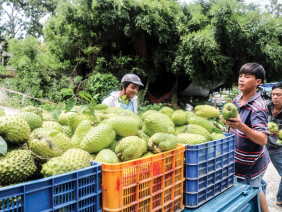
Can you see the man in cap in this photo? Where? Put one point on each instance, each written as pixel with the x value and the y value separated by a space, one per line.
pixel 129 88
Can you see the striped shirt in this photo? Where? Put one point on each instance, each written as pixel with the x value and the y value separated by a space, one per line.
pixel 251 159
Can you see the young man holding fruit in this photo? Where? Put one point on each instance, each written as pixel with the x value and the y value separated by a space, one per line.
pixel 250 129
pixel 273 144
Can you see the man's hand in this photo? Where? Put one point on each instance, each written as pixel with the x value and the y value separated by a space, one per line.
pixel 235 123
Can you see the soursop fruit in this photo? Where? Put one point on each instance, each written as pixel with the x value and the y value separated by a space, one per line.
pixel 52 125
pixel 74 120
pixel 47 116
pixel 98 138
pixel 107 156
pixel 196 129
pixel 180 129
pixel 124 126
pixel 143 135
pixel 14 129
pixel 130 148
pixel 17 166
pixel 33 109
pixel 201 122
pixel 191 139
pixel 273 127
pixel 64 117
pixel 161 142
pixel 207 111
pixel 280 134
pixel 179 117
pixel 216 136
pixel 67 130
pixel 167 111
pixel 48 143
pixel 2 112
pixel 148 154
pixel 113 145
pixel 156 123
pixel 155 113
pixel 229 111
pixel 80 132
pixel 71 160
pixel 34 121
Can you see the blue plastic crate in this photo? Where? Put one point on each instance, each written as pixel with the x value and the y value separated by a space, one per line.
pixel 208 170
pixel 73 191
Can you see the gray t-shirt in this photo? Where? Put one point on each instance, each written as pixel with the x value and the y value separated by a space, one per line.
pixel 272 145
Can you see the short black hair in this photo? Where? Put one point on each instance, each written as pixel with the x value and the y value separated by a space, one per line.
pixel 277 85
pixel 253 69
pixel 124 85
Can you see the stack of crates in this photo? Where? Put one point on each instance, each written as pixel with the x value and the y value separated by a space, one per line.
pixel 208 170
pixel 73 191
pixel 153 183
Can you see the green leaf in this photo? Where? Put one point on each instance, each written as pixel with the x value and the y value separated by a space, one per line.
pixel 123 97
pixel 66 92
pixel 56 113
pixel 3 146
pixel 85 95
pixel 71 103
pixel 125 102
pixel 82 108
pixel 54 134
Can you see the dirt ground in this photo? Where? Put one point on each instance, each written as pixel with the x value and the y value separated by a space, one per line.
pixel 271 176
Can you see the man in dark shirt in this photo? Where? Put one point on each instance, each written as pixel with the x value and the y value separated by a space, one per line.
pixel 275 150
pixel 250 129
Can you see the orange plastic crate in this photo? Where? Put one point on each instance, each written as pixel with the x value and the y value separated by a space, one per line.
pixel 149 184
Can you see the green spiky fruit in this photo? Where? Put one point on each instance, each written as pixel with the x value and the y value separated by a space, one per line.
pixel 52 125
pixel 196 129
pixel 148 154
pixel 216 136
pixel 98 138
pixel 71 160
pixel 179 117
pixel 273 127
pixel 107 156
pixel 155 123
pixel 48 143
pixel 64 117
pixel 167 111
pixel 33 109
pixel 67 130
pixel 17 166
pixel 123 125
pixel 130 148
pixel 74 120
pixel 207 111
pixel 201 122
pixel 229 111
pixel 113 145
pixel 180 129
pixel 161 142
pixel 80 132
pixel 280 134
pixel 191 139
pixel 34 121
pixel 2 112
pixel 47 116
pixel 143 135
pixel 14 129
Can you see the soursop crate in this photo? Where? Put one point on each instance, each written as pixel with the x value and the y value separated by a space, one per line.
pixel 208 170
pixel 153 183
pixel 73 191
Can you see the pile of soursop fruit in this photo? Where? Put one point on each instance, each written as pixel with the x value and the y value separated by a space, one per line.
pixel 40 146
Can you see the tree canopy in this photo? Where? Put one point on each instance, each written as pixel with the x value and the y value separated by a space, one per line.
pixel 156 39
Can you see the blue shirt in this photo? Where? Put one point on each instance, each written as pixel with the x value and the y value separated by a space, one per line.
pixel 251 159
pixel 128 107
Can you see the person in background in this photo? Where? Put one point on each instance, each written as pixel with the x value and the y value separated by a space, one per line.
pixel 274 149
pixel 129 87
pixel 251 130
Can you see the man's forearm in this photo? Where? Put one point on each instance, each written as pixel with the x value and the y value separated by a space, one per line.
pixel 255 136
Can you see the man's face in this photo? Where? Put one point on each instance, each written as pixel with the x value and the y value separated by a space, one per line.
pixel 132 90
pixel 247 82
pixel 277 96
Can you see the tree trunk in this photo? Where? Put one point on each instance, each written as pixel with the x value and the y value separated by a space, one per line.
pixel 174 96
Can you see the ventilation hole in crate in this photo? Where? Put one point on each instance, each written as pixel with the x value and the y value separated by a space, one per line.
pixel 144 189
pixel 129 195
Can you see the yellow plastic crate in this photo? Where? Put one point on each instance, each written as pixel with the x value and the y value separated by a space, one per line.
pixel 154 183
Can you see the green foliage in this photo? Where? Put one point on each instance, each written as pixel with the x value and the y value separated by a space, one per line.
pixel 101 85
pixel 39 73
